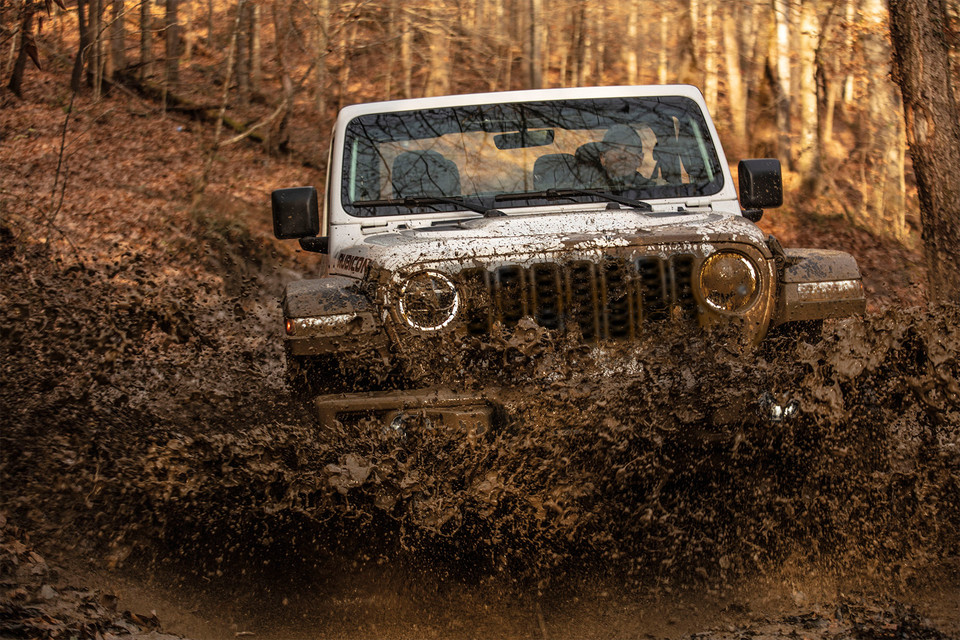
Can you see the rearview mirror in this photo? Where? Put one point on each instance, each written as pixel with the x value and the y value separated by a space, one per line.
pixel 295 213
pixel 522 139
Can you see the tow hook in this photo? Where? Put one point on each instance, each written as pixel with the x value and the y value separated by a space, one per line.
pixel 775 411
pixel 395 427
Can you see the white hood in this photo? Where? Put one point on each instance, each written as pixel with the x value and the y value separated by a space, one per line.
pixel 520 239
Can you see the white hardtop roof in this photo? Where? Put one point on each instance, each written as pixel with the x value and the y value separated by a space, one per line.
pixel 501 97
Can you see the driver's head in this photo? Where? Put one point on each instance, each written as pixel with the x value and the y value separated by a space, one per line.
pixel 622 151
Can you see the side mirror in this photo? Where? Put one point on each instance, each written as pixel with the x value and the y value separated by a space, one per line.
pixel 295 213
pixel 761 185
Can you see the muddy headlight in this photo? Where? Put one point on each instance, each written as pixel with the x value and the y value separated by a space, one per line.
pixel 428 301
pixel 728 282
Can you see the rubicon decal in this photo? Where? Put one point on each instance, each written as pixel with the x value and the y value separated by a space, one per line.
pixel 356 264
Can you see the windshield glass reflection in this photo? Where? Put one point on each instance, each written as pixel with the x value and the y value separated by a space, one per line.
pixel 519 155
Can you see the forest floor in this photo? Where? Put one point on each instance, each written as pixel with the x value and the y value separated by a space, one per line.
pixel 157 480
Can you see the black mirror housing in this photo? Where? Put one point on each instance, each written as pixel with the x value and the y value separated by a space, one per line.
pixel 295 213
pixel 761 184
pixel 316 245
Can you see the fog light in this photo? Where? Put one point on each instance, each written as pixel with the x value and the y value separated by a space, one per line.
pixel 324 326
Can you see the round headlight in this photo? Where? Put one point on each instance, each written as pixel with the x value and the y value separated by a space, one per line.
pixel 428 301
pixel 728 282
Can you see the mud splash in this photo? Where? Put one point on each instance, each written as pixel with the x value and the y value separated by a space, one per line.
pixel 145 424
pixel 666 463
pixel 150 412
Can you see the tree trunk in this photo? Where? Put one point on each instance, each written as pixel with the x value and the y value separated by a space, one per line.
pixel 782 82
pixel 406 52
pixel 172 53
pixel 736 90
pixel 829 109
pixel 923 71
pixel 95 64
pixel 279 138
pixel 26 34
pixel 76 78
pixel 321 53
pixel 535 59
pixel 631 57
pixel 256 55
pixel 438 45
pixel 753 49
pixel 808 153
pixel 348 36
pixel 850 14
pixel 710 79
pixel 211 37
pixel 662 55
pixel 118 37
pixel 881 133
pixel 146 40
pixel 6 9
pixel 601 40
pixel 563 54
pixel 585 45
pixel 688 64
pixel 243 52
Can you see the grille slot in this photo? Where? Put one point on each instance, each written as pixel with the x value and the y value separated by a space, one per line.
pixel 612 299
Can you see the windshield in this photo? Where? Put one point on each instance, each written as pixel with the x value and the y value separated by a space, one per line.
pixel 527 154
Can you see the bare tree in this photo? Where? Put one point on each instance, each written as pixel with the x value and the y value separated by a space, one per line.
pixel 711 79
pixel 808 149
pixel 321 52
pixel 882 135
pixel 439 51
pixel 118 37
pixel 244 51
pixel 406 52
pixel 535 59
pixel 736 87
pixel 631 54
pixel 782 80
pixel 688 62
pixel 27 48
pixel 662 55
pixel 95 29
pixel 172 52
pixel 279 137
pixel 256 47
pixel 146 39
pixel 80 62
pixel 923 71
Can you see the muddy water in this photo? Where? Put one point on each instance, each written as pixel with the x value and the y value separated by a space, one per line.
pixel 643 488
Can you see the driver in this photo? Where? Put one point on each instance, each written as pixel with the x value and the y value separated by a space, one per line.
pixel 620 157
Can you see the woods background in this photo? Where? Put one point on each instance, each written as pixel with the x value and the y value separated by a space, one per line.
pixel 809 82
pixel 145 422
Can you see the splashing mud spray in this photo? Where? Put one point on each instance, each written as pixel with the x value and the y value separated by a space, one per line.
pixel 147 428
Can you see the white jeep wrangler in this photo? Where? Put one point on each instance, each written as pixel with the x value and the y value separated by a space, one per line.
pixel 607 212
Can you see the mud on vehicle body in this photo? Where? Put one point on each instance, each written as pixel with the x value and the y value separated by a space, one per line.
pixel 477 214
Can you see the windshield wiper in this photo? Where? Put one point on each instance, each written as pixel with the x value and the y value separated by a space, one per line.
pixel 421 201
pixel 551 194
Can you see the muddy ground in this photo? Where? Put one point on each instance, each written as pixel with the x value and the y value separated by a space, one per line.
pixel 157 477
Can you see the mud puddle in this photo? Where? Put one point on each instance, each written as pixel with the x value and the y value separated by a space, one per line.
pixel 390 601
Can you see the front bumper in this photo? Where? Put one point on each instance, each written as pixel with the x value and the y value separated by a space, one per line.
pixel 474 413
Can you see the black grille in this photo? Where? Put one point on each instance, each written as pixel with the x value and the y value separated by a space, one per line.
pixel 610 299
